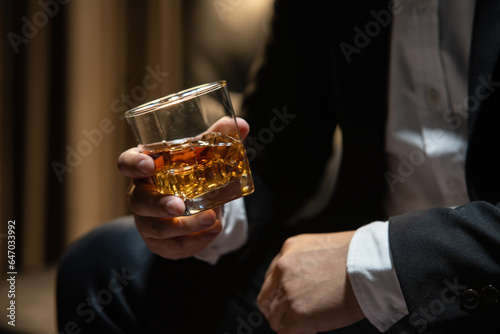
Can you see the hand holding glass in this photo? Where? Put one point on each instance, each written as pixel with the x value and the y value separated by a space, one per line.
pixel 196 145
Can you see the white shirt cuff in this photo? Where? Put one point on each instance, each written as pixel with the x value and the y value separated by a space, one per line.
pixel 233 235
pixel 373 277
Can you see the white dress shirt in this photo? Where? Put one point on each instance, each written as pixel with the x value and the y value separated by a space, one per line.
pixel 425 146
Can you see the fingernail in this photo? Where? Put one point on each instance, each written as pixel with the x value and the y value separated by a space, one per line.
pixel 173 208
pixel 145 167
pixel 206 220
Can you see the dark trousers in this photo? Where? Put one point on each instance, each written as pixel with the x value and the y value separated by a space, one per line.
pixel 109 282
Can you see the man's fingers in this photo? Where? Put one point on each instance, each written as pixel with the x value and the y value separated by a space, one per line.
pixel 277 309
pixel 226 125
pixel 134 164
pixel 243 126
pixel 272 265
pixel 184 246
pixel 166 228
pixel 146 201
pixel 269 289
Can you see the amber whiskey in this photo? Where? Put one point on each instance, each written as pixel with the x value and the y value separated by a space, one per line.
pixel 205 173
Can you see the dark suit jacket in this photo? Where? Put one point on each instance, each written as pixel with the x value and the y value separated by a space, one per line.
pixel 322 72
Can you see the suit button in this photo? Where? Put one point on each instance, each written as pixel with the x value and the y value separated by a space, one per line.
pixel 489 295
pixel 469 300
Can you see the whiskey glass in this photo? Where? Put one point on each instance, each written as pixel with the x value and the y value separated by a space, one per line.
pixel 194 140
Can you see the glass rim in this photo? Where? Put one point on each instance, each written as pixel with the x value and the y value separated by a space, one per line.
pixel 175 98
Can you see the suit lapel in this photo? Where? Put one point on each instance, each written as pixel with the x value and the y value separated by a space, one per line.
pixel 482 166
pixel 485 48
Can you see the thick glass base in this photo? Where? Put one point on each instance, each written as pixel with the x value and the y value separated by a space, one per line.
pixel 228 192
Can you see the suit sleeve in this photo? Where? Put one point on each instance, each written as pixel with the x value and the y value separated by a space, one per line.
pixel 289 106
pixel 448 263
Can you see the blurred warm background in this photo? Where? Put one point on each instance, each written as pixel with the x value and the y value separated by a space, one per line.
pixel 69 70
